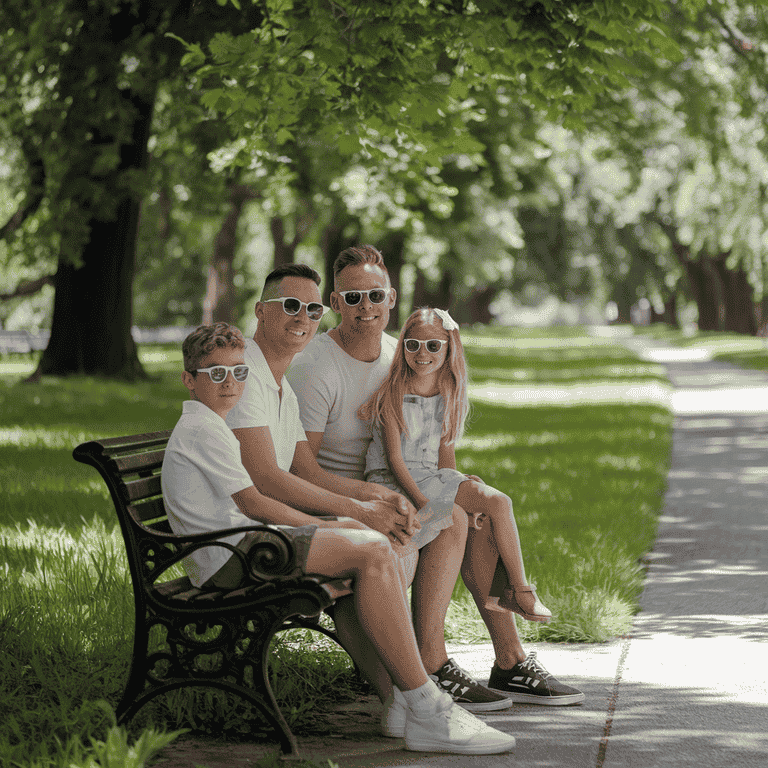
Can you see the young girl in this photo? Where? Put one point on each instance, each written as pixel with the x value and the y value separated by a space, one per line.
pixel 417 415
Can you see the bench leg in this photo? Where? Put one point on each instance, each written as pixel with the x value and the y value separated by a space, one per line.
pixel 245 658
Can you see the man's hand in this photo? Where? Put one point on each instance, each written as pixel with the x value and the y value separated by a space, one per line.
pixel 402 504
pixel 386 517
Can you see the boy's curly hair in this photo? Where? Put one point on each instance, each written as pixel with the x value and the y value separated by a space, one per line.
pixel 204 339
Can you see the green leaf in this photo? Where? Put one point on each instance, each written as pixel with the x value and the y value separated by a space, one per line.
pixel 348 144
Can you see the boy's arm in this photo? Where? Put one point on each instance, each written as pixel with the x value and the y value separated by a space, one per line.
pixel 256 506
pixel 258 456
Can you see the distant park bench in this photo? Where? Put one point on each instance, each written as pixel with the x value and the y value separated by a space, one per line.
pixel 25 342
pixel 203 637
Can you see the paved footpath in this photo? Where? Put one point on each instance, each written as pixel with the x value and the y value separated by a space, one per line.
pixel 689 686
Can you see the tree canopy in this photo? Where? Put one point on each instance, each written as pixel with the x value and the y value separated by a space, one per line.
pixel 409 93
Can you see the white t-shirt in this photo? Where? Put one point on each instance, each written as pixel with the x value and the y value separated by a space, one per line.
pixel 201 471
pixel 330 386
pixel 261 406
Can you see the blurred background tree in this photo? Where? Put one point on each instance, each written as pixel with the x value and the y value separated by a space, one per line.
pixel 157 159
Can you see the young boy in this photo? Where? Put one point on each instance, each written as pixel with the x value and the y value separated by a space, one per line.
pixel 206 488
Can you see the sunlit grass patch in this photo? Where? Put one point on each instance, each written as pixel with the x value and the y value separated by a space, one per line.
pixel 724 346
pixel 586 484
pixel 567 360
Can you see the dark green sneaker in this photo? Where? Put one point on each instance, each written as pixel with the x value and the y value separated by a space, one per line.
pixel 466 691
pixel 529 683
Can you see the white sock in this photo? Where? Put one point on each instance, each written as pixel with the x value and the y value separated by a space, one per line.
pixel 424 700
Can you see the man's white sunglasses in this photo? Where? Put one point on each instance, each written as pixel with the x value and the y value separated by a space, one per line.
pixel 292 306
pixel 375 296
pixel 218 373
pixel 432 345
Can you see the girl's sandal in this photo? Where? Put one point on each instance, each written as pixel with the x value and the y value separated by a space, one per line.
pixel 509 601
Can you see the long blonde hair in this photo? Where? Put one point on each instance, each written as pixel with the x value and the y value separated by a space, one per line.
pixel 386 404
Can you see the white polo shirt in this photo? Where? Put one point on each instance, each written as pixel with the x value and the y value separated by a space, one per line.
pixel 201 471
pixel 261 406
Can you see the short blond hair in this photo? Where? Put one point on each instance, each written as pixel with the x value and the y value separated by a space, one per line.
pixel 205 338
pixel 358 254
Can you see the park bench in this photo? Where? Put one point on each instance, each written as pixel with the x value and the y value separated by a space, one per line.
pixel 186 636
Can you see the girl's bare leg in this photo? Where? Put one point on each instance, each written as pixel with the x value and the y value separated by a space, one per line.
pixel 497 507
pixel 436 574
pixel 477 571
pixel 376 625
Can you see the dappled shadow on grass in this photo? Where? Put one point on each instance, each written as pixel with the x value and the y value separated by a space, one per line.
pixel 47 486
pixel 559 365
pixel 40 425
pixel 757 360
pixel 92 406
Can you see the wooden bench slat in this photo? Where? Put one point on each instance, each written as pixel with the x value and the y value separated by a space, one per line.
pixel 151 510
pixel 112 445
pixel 142 488
pixel 139 462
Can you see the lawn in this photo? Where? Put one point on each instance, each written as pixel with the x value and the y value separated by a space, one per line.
pixel 728 347
pixel 586 481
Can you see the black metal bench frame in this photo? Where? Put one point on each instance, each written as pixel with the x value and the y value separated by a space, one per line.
pixel 235 656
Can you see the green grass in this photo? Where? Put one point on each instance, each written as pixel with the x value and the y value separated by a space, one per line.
pixel 554 360
pixel 725 346
pixel 586 483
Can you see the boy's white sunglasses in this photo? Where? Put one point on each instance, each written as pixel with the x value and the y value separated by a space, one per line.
pixel 292 306
pixel 375 296
pixel 432 345
pixel 218 373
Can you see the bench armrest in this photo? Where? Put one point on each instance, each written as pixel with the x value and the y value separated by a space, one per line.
pixel 271 558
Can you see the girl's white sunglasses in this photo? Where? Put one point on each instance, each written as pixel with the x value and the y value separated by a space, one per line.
pixel 218 373
pixel 432 345
pixel 292 306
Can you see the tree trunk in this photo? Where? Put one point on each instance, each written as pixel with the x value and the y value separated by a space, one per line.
pixel 704 283
pixel 670 311
pixel 219 301
pixel 393 250
pixel 340 233
pixel 93 305
pixel 706 290
pixel 425 295
pixel 285 251
pixel 479 304
pixel 738 300
pixel 623 300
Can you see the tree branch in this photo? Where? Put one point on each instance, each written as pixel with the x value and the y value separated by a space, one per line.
pixel 28 288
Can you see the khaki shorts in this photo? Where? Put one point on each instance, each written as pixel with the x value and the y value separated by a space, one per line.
pixel 230 575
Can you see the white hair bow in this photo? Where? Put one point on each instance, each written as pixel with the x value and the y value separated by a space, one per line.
pixel 448 322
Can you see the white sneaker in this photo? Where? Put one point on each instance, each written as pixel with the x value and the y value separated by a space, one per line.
pixel 453 729
pixel 393 716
